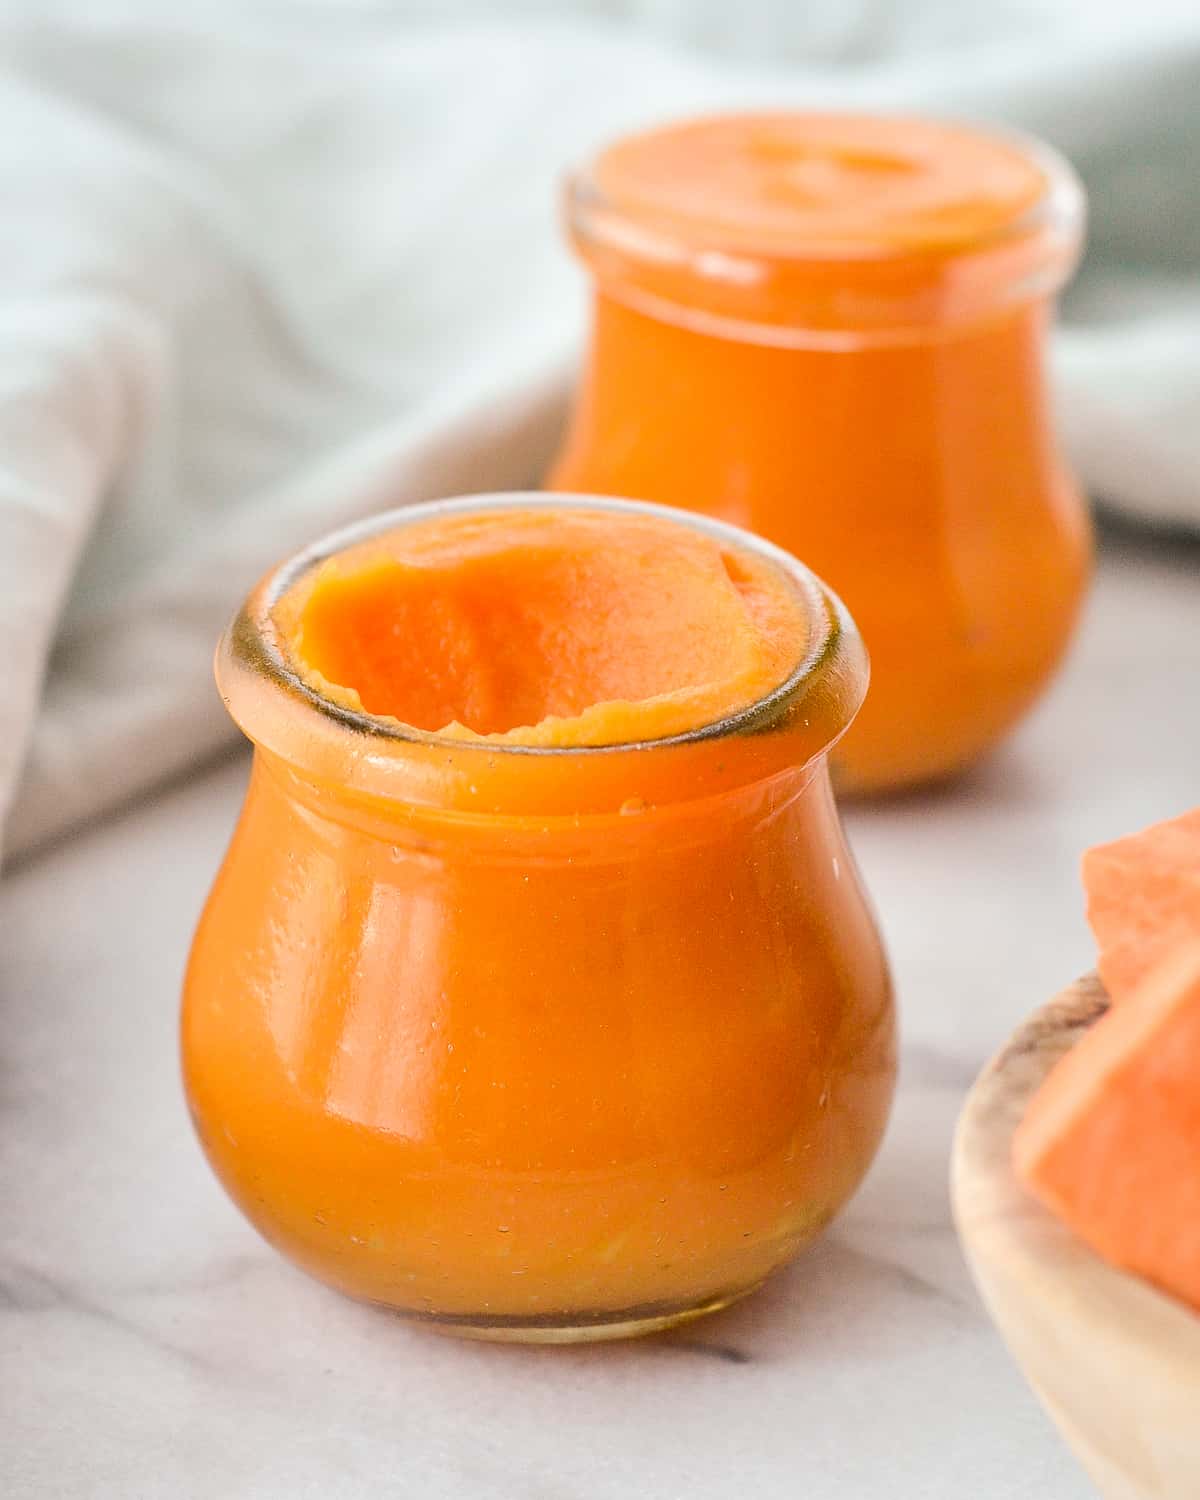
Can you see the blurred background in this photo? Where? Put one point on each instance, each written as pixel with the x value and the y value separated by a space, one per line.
pixel 268 267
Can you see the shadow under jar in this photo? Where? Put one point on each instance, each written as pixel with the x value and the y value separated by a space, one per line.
pixel 525 1037
pixel 831 329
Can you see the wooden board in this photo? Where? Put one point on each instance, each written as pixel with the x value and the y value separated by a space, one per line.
pixel 1116 1363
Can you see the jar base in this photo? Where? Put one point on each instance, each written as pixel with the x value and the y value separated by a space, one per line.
pixel 574 1328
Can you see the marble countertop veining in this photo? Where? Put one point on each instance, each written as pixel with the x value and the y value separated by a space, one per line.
pixel 151 1346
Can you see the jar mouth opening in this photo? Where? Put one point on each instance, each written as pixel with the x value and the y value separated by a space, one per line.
pixel 256 642
pixel 812 282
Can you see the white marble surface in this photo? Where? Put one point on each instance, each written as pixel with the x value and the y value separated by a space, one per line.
pixel 151 1345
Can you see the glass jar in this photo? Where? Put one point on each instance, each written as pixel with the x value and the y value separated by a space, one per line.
pixel 831 329
pixel 534 1042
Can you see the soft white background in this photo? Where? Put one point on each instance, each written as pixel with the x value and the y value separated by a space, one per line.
pixel 267 267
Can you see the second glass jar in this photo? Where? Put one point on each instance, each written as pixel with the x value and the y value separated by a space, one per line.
pixel 831 330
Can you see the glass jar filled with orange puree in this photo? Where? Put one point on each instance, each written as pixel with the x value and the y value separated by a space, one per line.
pixel 831 329
pixel 538 997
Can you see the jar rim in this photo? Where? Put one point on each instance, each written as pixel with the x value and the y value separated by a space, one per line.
pixel 832 671
pixel 813 291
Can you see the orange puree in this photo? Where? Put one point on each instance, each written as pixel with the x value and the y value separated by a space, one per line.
pixel 537 996
pixel 830 329
pixel 506 629
pixel 818 185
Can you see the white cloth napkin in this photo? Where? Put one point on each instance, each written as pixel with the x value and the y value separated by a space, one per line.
pixel 264 270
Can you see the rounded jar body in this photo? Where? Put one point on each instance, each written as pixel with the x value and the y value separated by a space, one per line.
pixel 556 1045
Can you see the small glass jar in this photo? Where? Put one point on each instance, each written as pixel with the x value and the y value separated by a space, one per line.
pixel 831 329
pixel 529 1042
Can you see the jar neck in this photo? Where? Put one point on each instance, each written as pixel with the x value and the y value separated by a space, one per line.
pixel 338 812
pixel 787 321
pixel 707 337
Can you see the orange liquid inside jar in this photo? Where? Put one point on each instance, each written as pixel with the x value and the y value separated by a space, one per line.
pixel 537 996
pixel 831 330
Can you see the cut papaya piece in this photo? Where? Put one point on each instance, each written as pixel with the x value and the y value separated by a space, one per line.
pixel 1143 899
pixel 1111 1140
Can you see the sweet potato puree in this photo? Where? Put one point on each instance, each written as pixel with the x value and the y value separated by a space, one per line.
pixel 537 996
pixel 830 329
pixel 546 628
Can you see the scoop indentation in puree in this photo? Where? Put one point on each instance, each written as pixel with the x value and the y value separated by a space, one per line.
pixel 545 627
